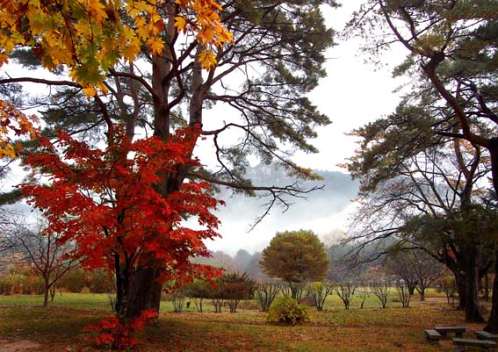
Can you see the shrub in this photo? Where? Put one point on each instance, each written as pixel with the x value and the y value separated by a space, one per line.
pixel 74 281
pixel 198 291
pixel 286 310
pixel 447 285
pixel 295 290
pixel 363 295
pixel 101 281
pixel 32 285
pixel 236 287
pixel 85 290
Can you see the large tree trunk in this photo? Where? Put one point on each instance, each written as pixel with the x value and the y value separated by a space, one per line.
pixel 486 287
pixel 462 290
pixel 472 307
pixel 145 292
pixel 141 292
pixel 492 325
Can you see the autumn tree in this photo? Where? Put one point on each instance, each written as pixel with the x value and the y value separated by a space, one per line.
pixel 452 51
pixel 154 67
pixel 236 287
pixel 295 257
pixel 108 204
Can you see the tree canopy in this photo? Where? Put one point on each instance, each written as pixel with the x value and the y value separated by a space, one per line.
pixel 295 257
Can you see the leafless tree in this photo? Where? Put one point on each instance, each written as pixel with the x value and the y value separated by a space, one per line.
pixel 422 208
pixel 265 294
pixel 363 293
pixel 345 291
pixel 47 256
pixel 403 293
pixel 381 291
pixel 319 292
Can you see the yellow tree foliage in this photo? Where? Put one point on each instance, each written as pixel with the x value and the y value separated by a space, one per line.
pixel 13 124
pixel 91 36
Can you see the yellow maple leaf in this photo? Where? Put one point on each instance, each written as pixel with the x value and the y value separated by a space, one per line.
pixel 156 45
pixel 8 151
pixel 181 23
pixel 207 59
pixel 89 91
pixel 97 10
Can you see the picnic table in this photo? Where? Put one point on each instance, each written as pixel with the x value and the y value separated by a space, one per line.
pixel 432 335
pixel 445 330
pixel 461 344
pixel 484 335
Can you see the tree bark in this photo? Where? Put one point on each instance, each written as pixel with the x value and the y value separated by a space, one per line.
pixel 422 294
pixel 486 287
pixel 472 307
pixel 462 291
pixel 411 289
pixel 149 296
pixel 144 292
pixel 46 289
pixel 492 325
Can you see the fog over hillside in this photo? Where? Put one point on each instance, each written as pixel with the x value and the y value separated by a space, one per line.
pixel 325 211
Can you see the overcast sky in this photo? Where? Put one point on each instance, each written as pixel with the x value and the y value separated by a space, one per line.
pixel 353 93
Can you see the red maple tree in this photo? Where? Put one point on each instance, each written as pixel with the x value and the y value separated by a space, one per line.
pixel 112 206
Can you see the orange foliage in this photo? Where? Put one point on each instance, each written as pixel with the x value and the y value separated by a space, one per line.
pixel 109 202
pixel 91 36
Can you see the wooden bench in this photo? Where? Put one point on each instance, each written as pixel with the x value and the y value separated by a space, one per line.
pixel 432 335
pixel 445 330
pixel 484 335
pixel 460 344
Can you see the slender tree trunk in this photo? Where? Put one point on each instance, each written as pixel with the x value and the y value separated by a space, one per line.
pixel 53 291
pixel 46 289
pixel 411 289
pixel 422 294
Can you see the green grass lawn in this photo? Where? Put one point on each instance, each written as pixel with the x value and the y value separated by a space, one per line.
pixel 60 326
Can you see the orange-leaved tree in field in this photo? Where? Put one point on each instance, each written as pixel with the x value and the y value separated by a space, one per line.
pixel 98 43
pixel 106 203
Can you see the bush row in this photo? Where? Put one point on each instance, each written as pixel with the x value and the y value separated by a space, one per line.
pixel 232 288
pixel 24 281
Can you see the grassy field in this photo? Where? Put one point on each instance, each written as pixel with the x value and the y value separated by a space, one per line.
pixel 23 323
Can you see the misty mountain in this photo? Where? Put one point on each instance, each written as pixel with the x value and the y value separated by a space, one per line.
pixel 323 211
